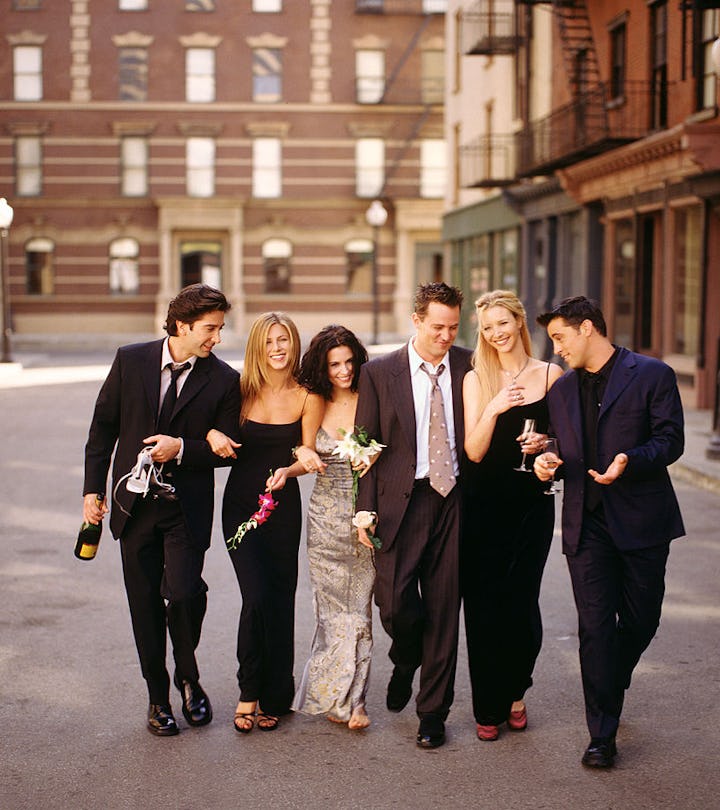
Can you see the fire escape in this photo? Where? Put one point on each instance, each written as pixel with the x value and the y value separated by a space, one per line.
pixel 391 90
pixel 598 117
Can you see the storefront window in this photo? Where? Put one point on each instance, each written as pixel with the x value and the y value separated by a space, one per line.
pixel 688 258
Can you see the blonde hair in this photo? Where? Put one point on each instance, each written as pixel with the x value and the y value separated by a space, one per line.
pixel 255 366
pixel 485 360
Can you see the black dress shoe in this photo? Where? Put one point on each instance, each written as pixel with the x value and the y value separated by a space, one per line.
pixel 431 733
pixel 161 721
pixel 196 706
pixel 399 690
pixel 600 753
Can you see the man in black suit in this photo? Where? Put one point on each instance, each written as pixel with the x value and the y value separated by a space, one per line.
pixel 166 395
pixel 416 587
pixel 619 423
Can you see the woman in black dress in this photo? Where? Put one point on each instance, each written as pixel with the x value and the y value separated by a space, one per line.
pixel 277 414
pixel 508 521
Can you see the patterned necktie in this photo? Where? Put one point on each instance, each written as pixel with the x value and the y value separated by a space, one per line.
pixel 442 477
pixel 170 398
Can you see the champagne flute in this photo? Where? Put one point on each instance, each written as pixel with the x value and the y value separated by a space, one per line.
pixel 552 446
pixel 528 427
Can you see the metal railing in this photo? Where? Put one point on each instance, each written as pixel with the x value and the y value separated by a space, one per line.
pixel 400 6
pixel 489 29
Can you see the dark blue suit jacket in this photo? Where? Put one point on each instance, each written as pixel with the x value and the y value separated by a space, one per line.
pixel 641 415
pixel 126 413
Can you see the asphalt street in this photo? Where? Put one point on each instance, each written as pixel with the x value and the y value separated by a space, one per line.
pixel 73 702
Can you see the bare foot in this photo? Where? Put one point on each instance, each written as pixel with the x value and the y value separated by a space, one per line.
pixel 359 719
pixel 245 716
pixel 333 719
pixel 518 706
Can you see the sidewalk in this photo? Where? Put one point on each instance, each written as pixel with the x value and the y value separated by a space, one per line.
pixel 41 369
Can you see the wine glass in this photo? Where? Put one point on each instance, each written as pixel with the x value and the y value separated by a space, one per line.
pixel 528 427
pixel 552 446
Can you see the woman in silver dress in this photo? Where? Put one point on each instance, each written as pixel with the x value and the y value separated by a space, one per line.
pixel 342 572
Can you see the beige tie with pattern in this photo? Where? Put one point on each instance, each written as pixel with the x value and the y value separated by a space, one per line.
pixel 442 477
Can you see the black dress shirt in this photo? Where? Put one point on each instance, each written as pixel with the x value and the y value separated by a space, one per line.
pixel 592 390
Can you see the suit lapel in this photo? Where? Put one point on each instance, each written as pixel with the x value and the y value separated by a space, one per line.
pixel 198 378
pixel 457 373
pixel 402 395
pixel 622 372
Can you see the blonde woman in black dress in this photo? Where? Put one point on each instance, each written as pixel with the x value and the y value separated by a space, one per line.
pixel 508 521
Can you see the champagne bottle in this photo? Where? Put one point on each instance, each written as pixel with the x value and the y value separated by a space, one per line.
pixel 89 536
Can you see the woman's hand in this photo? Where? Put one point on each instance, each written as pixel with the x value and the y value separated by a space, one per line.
pixel 531 443
pixel 507 398
pixel 221 444
pixel 277 480
pixel 310 460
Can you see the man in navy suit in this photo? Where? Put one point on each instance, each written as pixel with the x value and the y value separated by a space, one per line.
pixel 417 582
pixel 165 394
pixel 619 423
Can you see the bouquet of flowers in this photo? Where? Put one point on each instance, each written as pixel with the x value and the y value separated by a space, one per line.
pixel 359 450
pixel 266 504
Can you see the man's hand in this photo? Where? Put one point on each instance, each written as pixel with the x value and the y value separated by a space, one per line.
pixel 613 472
pixel 545 465
pixel 364 539
pixel 92 512
pixel 166 447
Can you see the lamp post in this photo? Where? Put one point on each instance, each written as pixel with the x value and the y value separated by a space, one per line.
pixel 6 218
pixel 376 216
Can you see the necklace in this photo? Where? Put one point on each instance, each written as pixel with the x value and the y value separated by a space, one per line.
pixel 514 378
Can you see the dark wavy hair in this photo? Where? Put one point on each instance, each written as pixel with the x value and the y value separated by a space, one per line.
pixel 191 303
pixel 436 292
pixel 313 373
pixel 574 311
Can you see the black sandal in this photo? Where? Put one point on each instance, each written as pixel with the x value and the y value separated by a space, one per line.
pixel 244 716
pixel 270 721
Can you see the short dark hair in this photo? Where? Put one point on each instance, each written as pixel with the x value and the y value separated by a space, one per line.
pixel 438 292
pixel 191 303
pixel 313 373
pixel 574 311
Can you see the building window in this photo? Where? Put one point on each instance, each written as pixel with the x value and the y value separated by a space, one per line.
pixel 276 265
pixel 708 83
pixel 39 273
pixel 658 61
pixel 618 39
pixel 124 266
pixel 200 167
pixel 27 72
pixel 27 5
pixel 133 74
pixel 134 167
pixel 433 167
pixel 359 256
pixel 369 76
pixel 434 6
pixel 267 167
pixel 688 280
pixel 267 74
pixel 369 167
pixel 132 5
pixel 28 166
pixel 201 263
pixel 433 77
pixel 199 5
pixel 267 6
pixel 200 74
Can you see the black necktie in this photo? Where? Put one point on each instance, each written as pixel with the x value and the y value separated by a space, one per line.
pixel 170 398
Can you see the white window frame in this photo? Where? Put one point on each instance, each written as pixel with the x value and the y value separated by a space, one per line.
pixel 369 166
pixel 433 168
pixel 267 168
pixel 200 167
pixel 124 272
pixel 132 5
pixel 200 75
pixel 369 75
pixel 27 73
pixel 267 88
pixel 267 6
pixel 28 166
pixel 134 153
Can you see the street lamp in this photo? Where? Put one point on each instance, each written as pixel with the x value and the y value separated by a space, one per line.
pixel 6 218
pixel 376 216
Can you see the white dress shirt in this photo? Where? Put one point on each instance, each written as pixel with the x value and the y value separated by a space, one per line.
pixel 422 387
pixel 165 378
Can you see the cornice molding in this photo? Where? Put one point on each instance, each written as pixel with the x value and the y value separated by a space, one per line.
pixel 133 39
